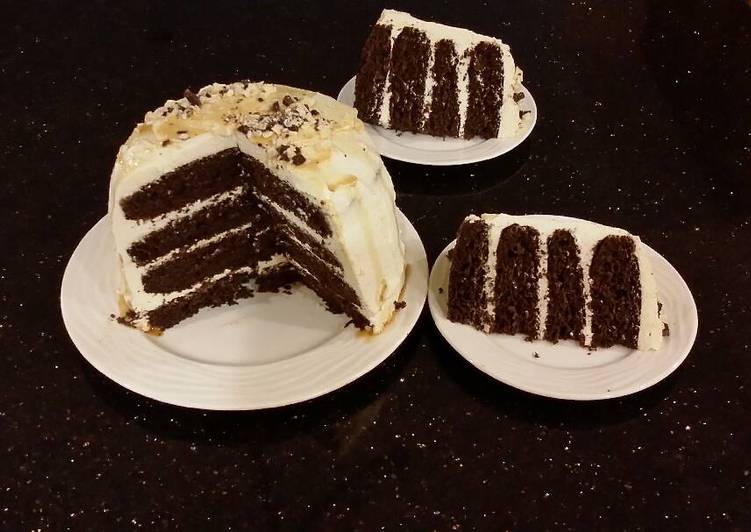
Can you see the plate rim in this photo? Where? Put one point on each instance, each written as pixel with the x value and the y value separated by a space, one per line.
pixel 418 276
pixel 379 140
pixel 440 321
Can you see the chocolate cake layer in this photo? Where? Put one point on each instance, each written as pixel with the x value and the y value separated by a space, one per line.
pixel 467 302
pixel 226 290
pixel 407 79
pixel 203 224
pixel 517 271
pixel 335 299
pixel 485 91
pixel 330 286
pixel 565 317
pixel 278 278
pixel 316 247
pixel 371 77
pixel 443 119
pixel 263 181
pixel 615 293
pixel 194 181
pixel 187 268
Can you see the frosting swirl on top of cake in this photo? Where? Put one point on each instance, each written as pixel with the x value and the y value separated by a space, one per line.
pixel 287 121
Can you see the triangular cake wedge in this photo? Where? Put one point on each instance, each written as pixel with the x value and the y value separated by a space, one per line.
pixel 438 80
pixel 253 181
pixel 554 279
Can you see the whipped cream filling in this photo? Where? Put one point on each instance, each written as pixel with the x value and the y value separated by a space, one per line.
pixel 542 286
pixel 494 235
pixel 427 97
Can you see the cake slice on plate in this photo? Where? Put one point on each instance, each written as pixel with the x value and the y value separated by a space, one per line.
pixel 253 181
pixel 439 80
pixel 554 279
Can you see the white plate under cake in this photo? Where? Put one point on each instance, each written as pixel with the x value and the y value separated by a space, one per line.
pixel 219 200
pixel 266 351
pixel 439 95
pixel 430 150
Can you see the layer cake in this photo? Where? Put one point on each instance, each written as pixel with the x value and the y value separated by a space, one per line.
pixel 555 280
pixel 248 181
pixel 439 80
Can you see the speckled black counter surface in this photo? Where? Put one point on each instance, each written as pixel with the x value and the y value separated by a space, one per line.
pixel 645 123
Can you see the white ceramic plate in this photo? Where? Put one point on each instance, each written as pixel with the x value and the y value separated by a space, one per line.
pixel 267 351
pixel 565 370
pixel 439 151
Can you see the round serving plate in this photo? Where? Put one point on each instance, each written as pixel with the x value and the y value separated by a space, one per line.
pixel 443 151
pixel 566 370
pixel 267 351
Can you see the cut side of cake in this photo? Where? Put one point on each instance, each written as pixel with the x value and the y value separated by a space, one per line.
pixel 253 181
pixel 554 279
pixel 439 80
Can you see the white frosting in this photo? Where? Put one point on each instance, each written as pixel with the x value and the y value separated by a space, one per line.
pixel 512 84
pixel 427 96
pixel 542 286
pixel 462 79
pixel 651 323
pixel 384 113
pixel 464 41
pixel 341 173
pixel 587 235
pixel 494 235
pixel 585 261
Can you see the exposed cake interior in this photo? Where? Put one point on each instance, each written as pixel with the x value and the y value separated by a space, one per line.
pixel 439 80
pixel 254 181
pixel 557 279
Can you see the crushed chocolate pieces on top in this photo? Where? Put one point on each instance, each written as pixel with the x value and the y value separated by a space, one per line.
pixel 282 152
pixel 275 107
pixel 298 159
pixel 242 128
pixel 165 142
pixel 192 97
pixel 287 100
pixel 398 305
pixel 518 96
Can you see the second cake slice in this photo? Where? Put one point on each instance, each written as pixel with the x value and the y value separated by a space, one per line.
pixel 439 80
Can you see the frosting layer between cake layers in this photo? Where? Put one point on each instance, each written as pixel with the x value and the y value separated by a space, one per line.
pixel 247 179
pixel 554 279
pixel 441 80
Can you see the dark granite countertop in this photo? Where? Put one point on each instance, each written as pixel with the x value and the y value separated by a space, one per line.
pixel 645 123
